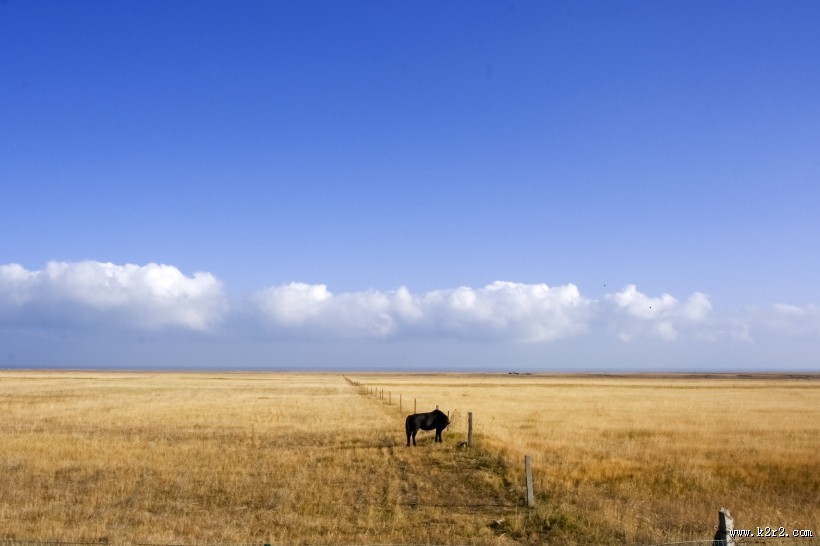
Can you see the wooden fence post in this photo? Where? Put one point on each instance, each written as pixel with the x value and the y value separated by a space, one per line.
pixel 414 406
pixel 528 472
pixel 469 428
pixel 724 535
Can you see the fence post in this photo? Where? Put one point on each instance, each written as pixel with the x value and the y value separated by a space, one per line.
pixel 528 472
pixel 399 402
pixel 724 535
pixel 469 428
pixel 414 406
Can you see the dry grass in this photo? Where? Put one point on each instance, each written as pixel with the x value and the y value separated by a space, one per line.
pixel 305 459
pixel 226 458
pixel 644 459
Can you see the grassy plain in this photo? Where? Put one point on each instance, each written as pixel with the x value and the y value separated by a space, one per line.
pixel 644 459
pixel 227 458
pixel 293 458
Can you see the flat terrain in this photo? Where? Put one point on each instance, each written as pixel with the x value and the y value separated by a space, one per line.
pixel 293 458
pixel 645 458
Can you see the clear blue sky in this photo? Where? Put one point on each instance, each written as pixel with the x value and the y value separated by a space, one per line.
pixel 396 152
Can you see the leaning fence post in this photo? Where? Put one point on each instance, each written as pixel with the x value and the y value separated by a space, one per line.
pixel 726 526
pixel 469 428
pixel 528 472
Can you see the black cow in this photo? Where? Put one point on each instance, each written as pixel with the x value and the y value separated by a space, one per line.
pixel 426 421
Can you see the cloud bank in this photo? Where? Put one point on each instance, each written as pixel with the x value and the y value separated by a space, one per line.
pixel 94 296
pixel 635 313
pixel 149 297
pixel 501 310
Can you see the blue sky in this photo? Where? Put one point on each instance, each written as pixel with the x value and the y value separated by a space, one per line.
pixel 492 185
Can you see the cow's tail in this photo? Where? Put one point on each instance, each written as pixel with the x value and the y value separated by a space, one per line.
pixel 408 428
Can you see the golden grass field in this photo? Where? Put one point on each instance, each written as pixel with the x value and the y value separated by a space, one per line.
pixel 306 458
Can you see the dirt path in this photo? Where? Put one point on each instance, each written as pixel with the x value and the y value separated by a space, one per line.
pixel 458 494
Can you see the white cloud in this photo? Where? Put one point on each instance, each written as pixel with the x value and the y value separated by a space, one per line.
pixel 503 310
pixel 150 296
pixel 778 321
pixel 634 313
pixel 521 312
pixel 313 308
pixel 696 308
pixel 792 320
pixel 95 296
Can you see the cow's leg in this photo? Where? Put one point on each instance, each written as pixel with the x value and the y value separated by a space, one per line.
pixel 414 437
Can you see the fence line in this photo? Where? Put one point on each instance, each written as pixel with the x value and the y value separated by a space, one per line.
pixel 379 394
pixel 726 534
pixel 530 495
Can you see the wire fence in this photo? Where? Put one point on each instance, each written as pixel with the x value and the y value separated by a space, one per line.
pixel 741 537
pixel 751 537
